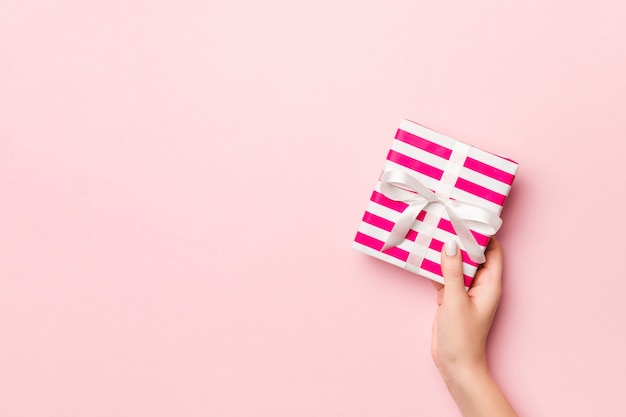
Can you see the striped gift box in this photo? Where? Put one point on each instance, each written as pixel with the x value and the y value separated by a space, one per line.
pixel 455 172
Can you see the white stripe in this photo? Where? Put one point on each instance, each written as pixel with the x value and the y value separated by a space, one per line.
pixel 382 211
pixel 373 231
pixel 494 160
pixel 428 228
pixel 380 234
pixel 376 254
pixel 453 169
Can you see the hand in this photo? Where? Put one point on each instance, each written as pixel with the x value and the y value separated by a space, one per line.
pixel 460 332
pixel 463 317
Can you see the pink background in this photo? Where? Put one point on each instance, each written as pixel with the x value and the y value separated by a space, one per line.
pixel 181 182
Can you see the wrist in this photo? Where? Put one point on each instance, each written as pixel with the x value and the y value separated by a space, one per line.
pixel 459 376
pixel 475 391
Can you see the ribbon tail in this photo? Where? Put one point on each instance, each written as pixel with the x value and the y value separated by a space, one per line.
pixel 466 237
pixel 403 225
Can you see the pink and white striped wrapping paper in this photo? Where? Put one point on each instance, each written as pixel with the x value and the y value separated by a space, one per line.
pixel 449 168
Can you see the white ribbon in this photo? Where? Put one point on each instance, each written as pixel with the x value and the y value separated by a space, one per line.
pixel 404 187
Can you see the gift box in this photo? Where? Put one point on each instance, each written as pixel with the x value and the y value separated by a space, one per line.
pixel 433 189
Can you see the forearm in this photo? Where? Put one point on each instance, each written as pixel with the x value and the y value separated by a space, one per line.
pixel 476 393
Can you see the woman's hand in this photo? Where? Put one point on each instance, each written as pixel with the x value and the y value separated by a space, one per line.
pixel 460 332
pixel 464 318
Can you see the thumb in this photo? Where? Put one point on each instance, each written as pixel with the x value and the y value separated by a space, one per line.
pixel 452 269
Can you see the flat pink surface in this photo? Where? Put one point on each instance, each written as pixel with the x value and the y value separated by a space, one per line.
pixel 181 182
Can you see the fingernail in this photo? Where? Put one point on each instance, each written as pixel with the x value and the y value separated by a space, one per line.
pixel 451 247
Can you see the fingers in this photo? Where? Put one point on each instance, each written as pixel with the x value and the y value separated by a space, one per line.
pixel 437 285
pixel 439 288
pixel 452 269
pixel 491 270
pixel 493 255
pixel 489 276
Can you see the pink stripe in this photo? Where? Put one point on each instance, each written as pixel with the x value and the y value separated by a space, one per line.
pixel 387 202
pixel 376 244
pixel 393 204
pixel 385 224
pixel 423 144
pixel 431 266
pixel 378 221
pixel 435 268
pixel 368 241
pixel 488 170
pixel 480 191
pixel 414 164
pixel 444 224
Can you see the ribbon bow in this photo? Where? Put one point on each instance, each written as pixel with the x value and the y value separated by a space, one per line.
pixel 404 187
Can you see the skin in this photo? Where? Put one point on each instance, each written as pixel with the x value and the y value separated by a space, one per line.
pixel 460 333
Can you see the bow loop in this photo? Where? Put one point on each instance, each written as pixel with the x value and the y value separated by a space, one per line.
pixel 464 216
